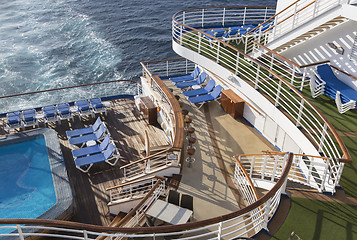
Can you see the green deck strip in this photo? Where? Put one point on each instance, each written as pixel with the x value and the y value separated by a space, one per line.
pixel 312 219
pixel 349 175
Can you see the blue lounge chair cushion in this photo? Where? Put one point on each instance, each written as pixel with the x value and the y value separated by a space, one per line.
pixel 198 81
pixel 97 158
pixel 188 77
pixel 84 131
pixel 200 91
pixel 82 105
pixel 96 103
pixel 335 84
pixel 80 152
pixel 89 137
pixel 29 115
pixel 14 118
pixel 207 97
pixel 49 111
pixel 63 108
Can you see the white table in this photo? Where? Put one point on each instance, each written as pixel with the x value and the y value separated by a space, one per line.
pixel 169 213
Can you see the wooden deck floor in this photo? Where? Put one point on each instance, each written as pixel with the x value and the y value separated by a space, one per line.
pixel 126 126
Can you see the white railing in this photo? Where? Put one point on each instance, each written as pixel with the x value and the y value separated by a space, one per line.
pixel 242 223
pixel 300 13
pixel 168 68
pixel 289 100
pixel 165 158
pixel 314 171
pixel 131 190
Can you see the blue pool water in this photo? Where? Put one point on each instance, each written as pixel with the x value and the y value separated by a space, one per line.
pixel 26 189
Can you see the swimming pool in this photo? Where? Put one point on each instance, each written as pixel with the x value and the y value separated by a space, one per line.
pixel 26 189
pixel 33 177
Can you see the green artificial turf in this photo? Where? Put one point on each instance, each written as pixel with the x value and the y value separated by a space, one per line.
pixel 312 219
pixel 349 175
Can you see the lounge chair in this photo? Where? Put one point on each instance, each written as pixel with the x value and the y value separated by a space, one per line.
pixel 97 136
pixel 195 92
pixel 198 81
pixel 81 152
pixel 13 120
pixel 207 97
pixel 234 33
pixel 84 131
pixel 29 118
pixel 64 111
pixel 50 114
pixel 188 77
pixel 217 33
pixel 83 108
pixel 110 156
pixel 97 105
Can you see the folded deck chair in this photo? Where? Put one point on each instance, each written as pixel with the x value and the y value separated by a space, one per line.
pixel 198 81
pixel 97 105
pixel 110 156
pixel 188 77
pixel 83 108
pixel 81 152
pixel 84 131
pixel 50 114
pixel 64 111
pixel 97 136
pixel 217 33
pixel 207 97
pixel 200 91
pixel 234 33
pixel 29 118
pixel 13 120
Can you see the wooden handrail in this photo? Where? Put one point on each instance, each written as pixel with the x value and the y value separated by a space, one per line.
pixel 135 181
pixel 159 229
pixel 340 70
pixel 133 211
pixel 314 64
pixel 272 17
pixel 247 177
pixel 332 129
pixel 290 16
pixel 63 88
pixel 260 154
pixel 146 158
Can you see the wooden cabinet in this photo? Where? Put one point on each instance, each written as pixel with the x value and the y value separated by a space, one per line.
pixel 149 109
pixel 232 103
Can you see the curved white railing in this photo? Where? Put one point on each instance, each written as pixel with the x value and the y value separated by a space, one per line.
pixel 242 223
pixel 303 114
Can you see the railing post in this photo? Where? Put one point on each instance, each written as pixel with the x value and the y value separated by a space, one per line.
pixel 257 78
pixel 85 234
pixel 323 135
pixel 199 42
pixel 186 65
pixel 293 76
pixel 219 234
pixel 265 159
pixel 293 22
pixel 19 229
pixel 124 173
pixel 184 17
pixel 314 13
pixel 309 171
pixel 181 35
pixel 245 11
pixel 301 109
pixel 147 169
pixel 203 15
pixel 251 167
pixel 167 68
pixel 217 59
pixel 278 95
pixel 237 63
pixel 224 15
pixel 266 215
pixel 324 175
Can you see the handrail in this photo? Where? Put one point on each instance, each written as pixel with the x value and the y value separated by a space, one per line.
pixel 334 133
pixel 260 154
pixel 340 70
pixel 146 158
pixel 63 88
pixel 133 211
pixel 271 18
pixel 160 229
pixel 290 16
pixel 135 181
pixel 247 177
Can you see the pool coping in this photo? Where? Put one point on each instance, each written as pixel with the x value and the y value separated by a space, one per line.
pixel 64 197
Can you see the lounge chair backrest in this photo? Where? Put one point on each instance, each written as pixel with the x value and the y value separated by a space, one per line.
pixel 326 72
pixel 96 124
pixel 196 72
pixel 105 142
pixel 29 112
pixel 109 151
pixel 210 85
pixel 100 131
pixel 201 78
pixel 216 91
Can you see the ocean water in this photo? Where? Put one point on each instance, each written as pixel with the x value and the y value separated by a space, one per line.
pixel 48 44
